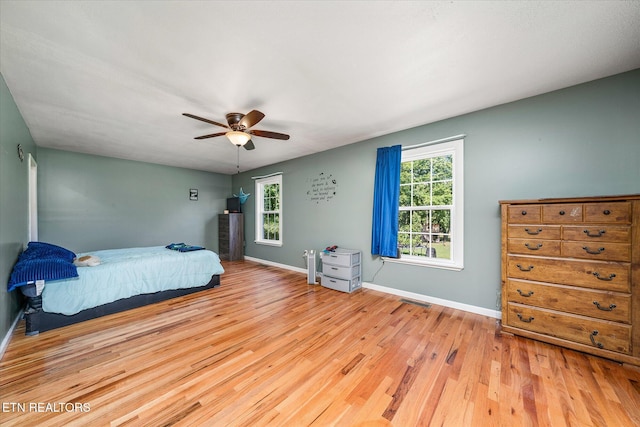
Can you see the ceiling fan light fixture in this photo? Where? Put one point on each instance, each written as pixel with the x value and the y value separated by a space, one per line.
pixel 238 138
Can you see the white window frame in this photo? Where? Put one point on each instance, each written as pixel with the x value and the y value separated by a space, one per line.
pixel 260 184
pixel 454 148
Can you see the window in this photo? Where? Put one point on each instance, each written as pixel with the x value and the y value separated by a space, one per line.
pixel 269 210
pixel 430 221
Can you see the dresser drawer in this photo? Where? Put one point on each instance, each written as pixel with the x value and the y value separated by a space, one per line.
pixel 341 257
pixel 341 284
pixel 592 303
pixel 341 272
pixel 597 250
pixel 603 334
pixel 610 276
pixel 618 212
pixel 547 232
pixel 597 233
pixel 523 214
pixel 534 247
pixel 561 213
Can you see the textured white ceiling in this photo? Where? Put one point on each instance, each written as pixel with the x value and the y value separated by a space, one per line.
pixel 112 78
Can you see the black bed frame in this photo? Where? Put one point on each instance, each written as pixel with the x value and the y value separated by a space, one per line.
pixel 41 321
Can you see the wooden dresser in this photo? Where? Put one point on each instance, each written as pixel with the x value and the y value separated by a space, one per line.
pixel 571 273
pixel 231 237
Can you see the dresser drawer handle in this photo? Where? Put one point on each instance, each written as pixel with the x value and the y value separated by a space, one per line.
pixel 593 251
pixel 528 294
pixel 533 233
pixel 523 319
pixel 596 234
pixel 606 212
pixel 524 269
pixel 532 248
pixel 597 344
pixel 561 212
pixel 599 277
pixel 611 306
pixel 523 212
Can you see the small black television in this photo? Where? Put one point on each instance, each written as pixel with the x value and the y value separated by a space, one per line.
pixel 233 205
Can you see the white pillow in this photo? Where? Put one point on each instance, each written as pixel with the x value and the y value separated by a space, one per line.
pixel 87 261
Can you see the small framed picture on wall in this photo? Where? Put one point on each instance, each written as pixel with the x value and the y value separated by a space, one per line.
pixel 193 194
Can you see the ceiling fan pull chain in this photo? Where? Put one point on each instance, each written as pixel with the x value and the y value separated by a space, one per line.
pixel 238 162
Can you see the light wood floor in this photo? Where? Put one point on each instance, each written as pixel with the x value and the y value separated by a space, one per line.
pixel 267 349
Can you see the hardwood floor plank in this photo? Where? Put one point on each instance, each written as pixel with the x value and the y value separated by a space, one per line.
pixel 265 348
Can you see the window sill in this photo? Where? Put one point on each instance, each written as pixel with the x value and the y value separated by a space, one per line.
pixel 450 266
pixel 262 242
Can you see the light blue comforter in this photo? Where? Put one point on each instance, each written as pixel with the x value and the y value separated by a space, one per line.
pixel 127 272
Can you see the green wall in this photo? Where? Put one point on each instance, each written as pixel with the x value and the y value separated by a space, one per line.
pixel 91 202
pixel 14 187
pixel 580 141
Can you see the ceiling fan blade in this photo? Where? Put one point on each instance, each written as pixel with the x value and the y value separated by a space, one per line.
pixel 249 145
pixel 251 119
pixel 202 119
pixel 268 134
pixel 210 136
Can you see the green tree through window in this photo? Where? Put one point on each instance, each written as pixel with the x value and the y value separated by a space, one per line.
pixel 426 194
pixel 430 212
pixel 271 213
pixel 269 210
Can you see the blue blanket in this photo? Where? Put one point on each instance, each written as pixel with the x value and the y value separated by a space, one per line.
pixel 182 247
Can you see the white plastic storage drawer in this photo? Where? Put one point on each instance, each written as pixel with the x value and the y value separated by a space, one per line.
pixel 343 257
pixel 341 284
pixel 341 272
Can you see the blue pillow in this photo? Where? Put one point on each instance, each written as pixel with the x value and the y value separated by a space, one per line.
pixel 30 270
pixel 42 261
pixel 40 250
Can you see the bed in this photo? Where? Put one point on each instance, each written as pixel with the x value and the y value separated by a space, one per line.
pixel 63 288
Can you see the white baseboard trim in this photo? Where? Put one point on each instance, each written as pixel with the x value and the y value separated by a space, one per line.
pixel 433 300
pixel 7 337
pixel 405 294
pixel 275 264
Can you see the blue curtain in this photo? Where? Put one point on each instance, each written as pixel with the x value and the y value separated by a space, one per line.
pixel 386 198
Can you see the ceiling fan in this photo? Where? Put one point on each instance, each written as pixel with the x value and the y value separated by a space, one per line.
pixel 239 132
